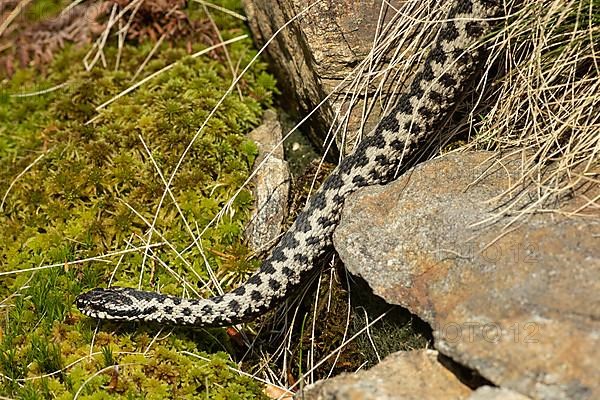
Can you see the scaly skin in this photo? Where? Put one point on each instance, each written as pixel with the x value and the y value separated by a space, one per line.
pixel 377 159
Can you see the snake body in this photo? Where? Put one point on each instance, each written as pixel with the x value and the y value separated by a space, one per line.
pixel 450 64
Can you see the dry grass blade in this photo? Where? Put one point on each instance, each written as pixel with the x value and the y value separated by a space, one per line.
pixel 105 369
pixel 17 178
pixel 227 57
pixel 222 9
pixel 14 14
pixel 149 57
pixel 101 257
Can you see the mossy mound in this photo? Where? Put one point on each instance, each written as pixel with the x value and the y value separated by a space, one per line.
pixel 77 189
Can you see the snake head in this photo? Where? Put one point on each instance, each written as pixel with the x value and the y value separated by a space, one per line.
pixel 115 303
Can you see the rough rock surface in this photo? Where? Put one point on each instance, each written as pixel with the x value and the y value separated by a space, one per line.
pixel 271 185
pixel 315 53
pixel 495 393
pixel 404 375
pixel 521 306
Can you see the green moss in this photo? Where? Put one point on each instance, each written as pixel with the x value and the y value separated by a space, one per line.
pixel 44 9
pixel 78 201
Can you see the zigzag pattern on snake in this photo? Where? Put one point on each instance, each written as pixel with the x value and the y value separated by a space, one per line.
pixel 450 64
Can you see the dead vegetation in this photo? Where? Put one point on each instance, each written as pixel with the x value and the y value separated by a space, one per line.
pixel 546 104
pixel 24 42
pixel 538 94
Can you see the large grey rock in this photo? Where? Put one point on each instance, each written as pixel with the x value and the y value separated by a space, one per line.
pixel 521 305
pixel 271 185
pixel 404 375
pixel 315 53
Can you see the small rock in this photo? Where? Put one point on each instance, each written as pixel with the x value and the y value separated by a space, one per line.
pixel 404 375
pixel 521 306
pixel 271 185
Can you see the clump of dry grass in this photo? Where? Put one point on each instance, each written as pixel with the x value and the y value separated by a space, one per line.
pixel 546 104
pixel 539 94
pixel 402 41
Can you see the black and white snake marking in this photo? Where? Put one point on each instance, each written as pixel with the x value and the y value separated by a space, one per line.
pixel 451 63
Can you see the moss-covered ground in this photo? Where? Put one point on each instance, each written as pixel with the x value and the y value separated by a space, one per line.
pixel 74 190
pixel 81 195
